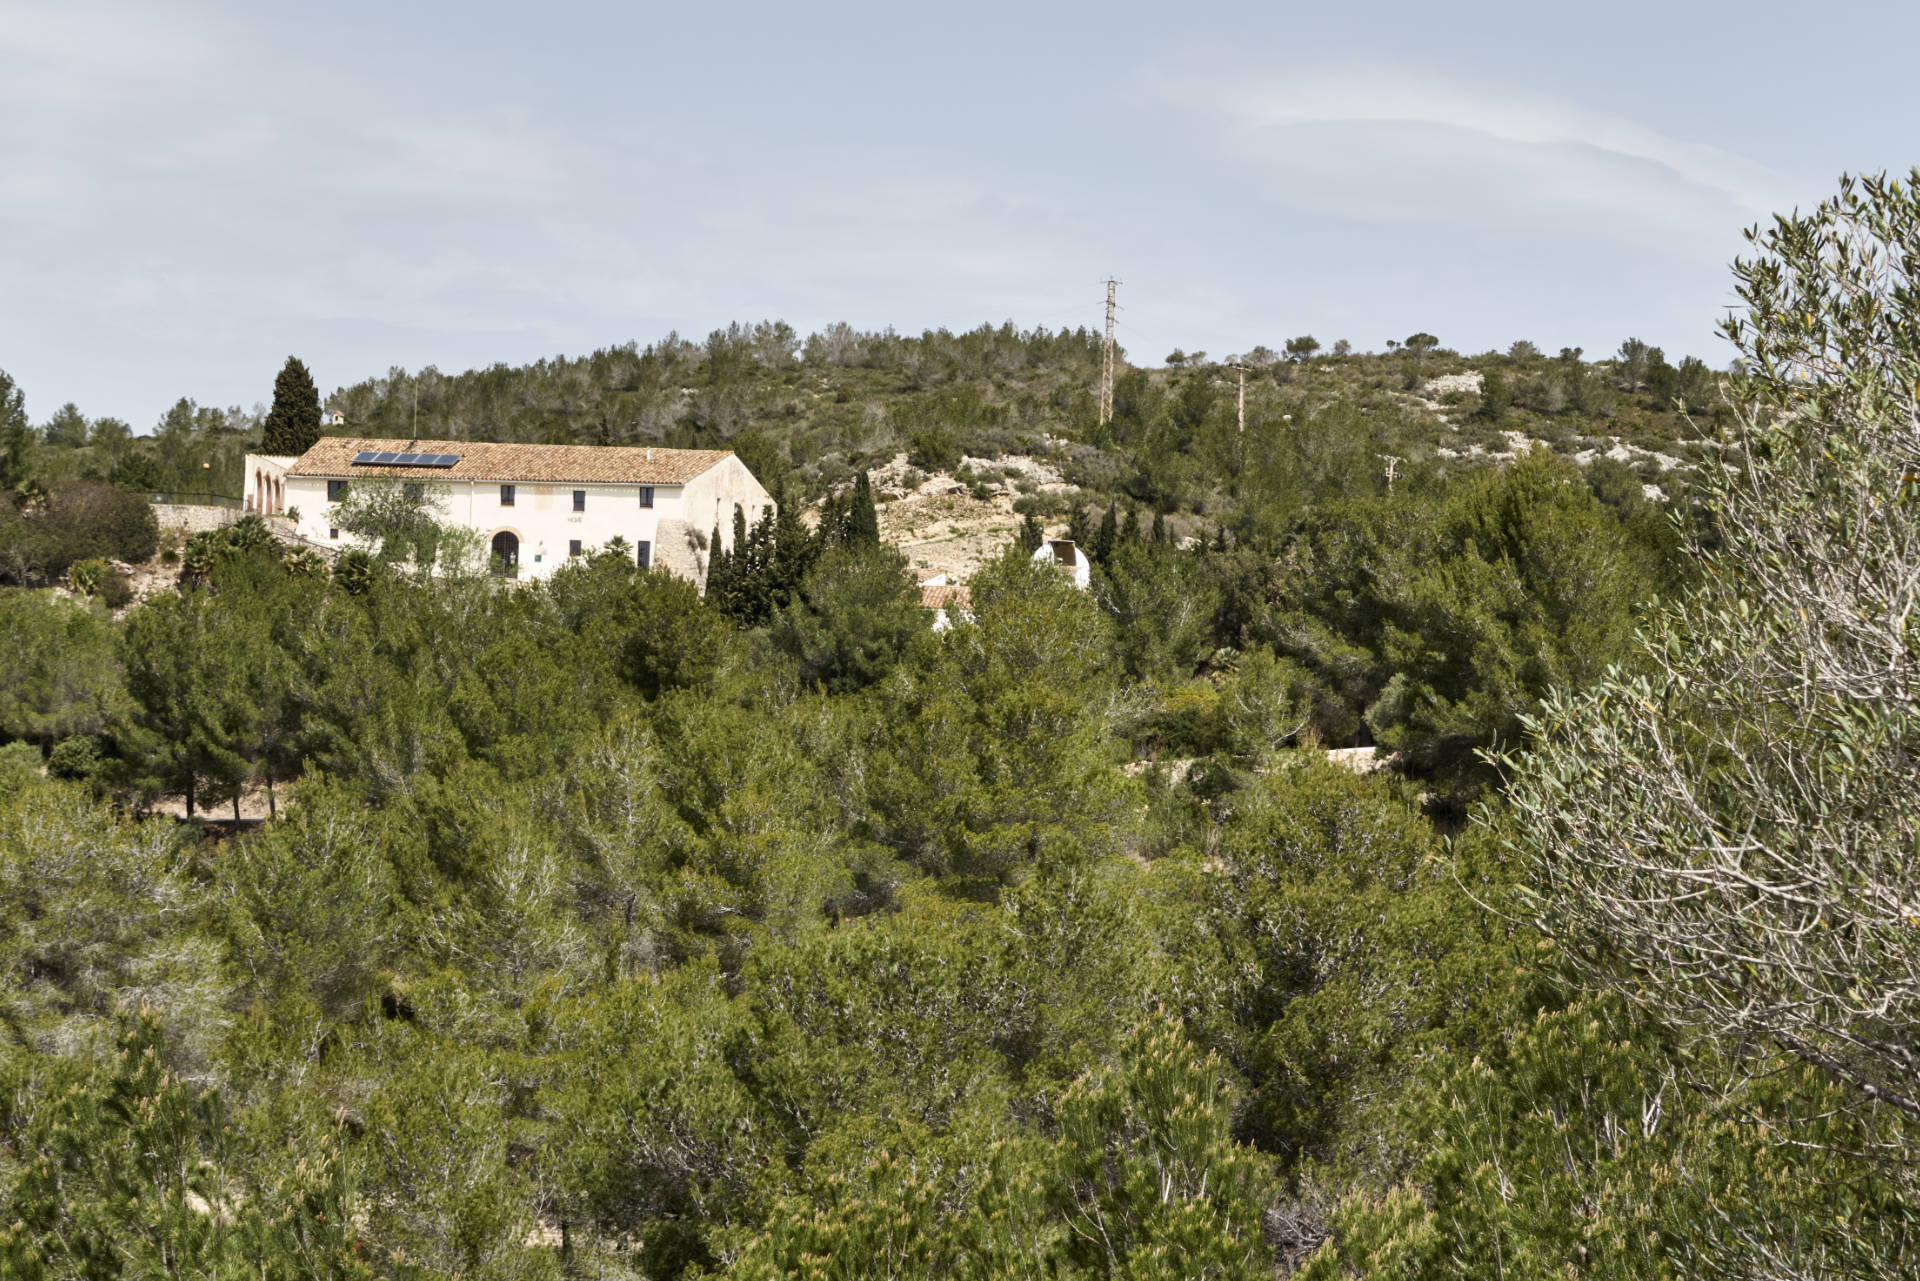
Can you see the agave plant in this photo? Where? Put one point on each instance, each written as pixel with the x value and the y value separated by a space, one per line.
pixel 196 562
pixel 33 494
pixel 250 534
pixel 87 576
pixel 354 571
pixel 304 562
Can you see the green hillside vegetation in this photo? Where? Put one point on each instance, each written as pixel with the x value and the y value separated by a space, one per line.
pixel 606 929
pixel 813 412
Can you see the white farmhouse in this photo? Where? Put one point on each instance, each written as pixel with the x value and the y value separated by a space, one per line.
pixel 534 506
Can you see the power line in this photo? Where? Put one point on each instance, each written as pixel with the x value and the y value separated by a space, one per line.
pixel 1393 468
pixel 1242 371
pixel 1106 361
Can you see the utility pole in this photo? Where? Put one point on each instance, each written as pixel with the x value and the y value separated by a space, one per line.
pixel 1393 466
pixel 1106 362
pixel 1242 371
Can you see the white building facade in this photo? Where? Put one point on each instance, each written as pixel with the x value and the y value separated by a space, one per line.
pixel 534 506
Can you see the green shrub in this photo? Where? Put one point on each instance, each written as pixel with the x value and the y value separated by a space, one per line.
pixel 19 767
pixel 933 449
pixel 59 669
pixel 78 520
pixel 78 757
pixel 856 614
pixel 116 589
pixel 1188 722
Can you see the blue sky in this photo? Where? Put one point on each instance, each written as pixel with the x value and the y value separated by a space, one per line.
pixel 191 191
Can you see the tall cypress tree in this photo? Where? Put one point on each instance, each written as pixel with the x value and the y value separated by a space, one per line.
pixel 1080 526
pixel 293 424
pixel 1107 536
pixel 832 530
pixel 719 580
pixel 863 522
pixel 1031 535
pixel 794 549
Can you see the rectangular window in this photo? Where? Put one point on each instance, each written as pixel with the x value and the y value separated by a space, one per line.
pixel 573 547
pixel 506 495
pixel 644 555
pixel 336 491
pixel 579 500
pixel 334 534
pixel 646 495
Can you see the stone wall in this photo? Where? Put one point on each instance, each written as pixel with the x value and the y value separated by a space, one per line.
pixel 189 520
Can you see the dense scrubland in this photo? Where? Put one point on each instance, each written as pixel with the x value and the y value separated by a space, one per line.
pixel 604 928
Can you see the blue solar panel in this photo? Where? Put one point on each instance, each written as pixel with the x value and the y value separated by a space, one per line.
pixel 392 458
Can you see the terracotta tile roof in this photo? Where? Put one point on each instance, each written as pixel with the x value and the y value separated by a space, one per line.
pixel 959 595
pixel 526 464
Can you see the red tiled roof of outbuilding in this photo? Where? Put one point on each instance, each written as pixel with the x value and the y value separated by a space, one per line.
pixel 958 595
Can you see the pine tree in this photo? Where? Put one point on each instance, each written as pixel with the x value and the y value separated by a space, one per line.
pixel 17 437
pixel 119 1168
pixel 293 424
pixel 1130 527
pixel 1159 528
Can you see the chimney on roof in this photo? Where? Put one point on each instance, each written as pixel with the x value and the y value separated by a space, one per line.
pixel 649 453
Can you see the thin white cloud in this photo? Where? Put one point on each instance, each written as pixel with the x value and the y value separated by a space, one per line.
pixel 245 196
pixel 1408 145
pixel 93 57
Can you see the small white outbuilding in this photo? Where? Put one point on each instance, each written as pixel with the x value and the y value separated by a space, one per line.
pixel 1066 553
